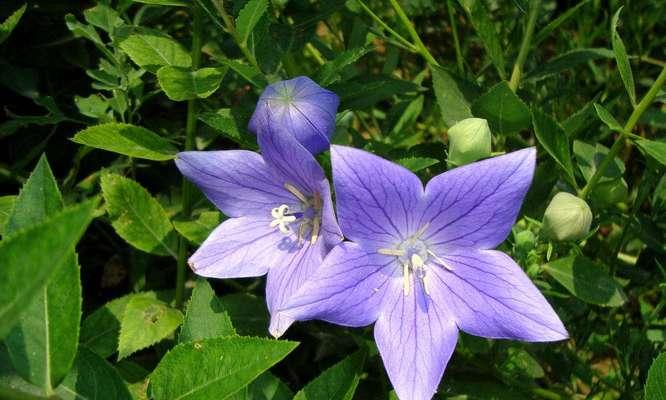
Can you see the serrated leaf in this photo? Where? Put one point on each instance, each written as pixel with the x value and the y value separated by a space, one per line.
pixel 654 148
pixel 145 322
pixel 485 28
pixel 93 106
pixel 336 383
pixel 33 255
pixel 453 105
pixel 205 317
pixel 130 140
pixel 248 313
pixel 607 118
pixel 136 216
pixel 248 17
pixel 231 126
pixel 655 386
pixel 83 30
pixel 331 71
pixel 505 111
pixel 224 366
pixel 197 230
pixel 103 17
pixel 8 25
pixel 152 51
pixel 6 205
pixel 586 280
pixel 92 377
pixel 181 84
pixel 552 137
pixel 416 164
pixel 622 59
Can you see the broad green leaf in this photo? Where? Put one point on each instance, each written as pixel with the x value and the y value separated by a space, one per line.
pixel 181 84
pixel 589 157
pixel 33 255
pixel 336 383
pixel 145 322
pixel 586 280
pixel 485 28
pixel 622 59
pixel 136 216
pixel 416 164
pixel 266 387
pixel 505 111
pixel 8 25
pixel 231 126
pixel 248 17
pixel 6 205
pixel 223 365
pixel 93 106
pixel 130 140
pixel 100 330
pixel 92 377
pixel 552 137
pixel 247 72
pixel 103 17
pixel 248 313
pixel 654 148
pixel 177 3
pixel 197 230
pixel 152 52
pixel 568 60
pixel 607 118
pixel 655 386
pixel 205 317
pixel 331 72
pixel 365 91
pixel 453 104
pixel 13 386
pixel 83 30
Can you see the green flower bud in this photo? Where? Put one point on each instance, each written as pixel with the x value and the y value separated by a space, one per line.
pixel 469 140
pixel 567 217
pixel 524 241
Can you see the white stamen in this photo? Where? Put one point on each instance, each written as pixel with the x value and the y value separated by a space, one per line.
pixel 281 218
pixel 440 261
pixel 391 252
pixel 293 190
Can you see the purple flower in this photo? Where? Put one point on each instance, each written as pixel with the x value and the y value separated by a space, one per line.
pixel 301 107
pixel 420 263
pixel 281 216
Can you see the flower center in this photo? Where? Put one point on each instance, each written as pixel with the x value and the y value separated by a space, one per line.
pixel 308 217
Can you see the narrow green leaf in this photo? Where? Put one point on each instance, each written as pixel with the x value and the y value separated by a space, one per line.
pixel 587 281
pixel 136 216
pixel 416 164
pixel 622 59
pixel 452 102
pixel 83 30
pixel 30 257
pixel 6 205
pixel 145 322
pixel 336 383
pixel 655 386
pixel 554 24
pixel 247 72
pixel 181 84
pixel 248 313
pixel 152 52
pixel 366 91
pixel 92 377
pixel 552 137
pixel 205 317
pixel 331 72
pixel 654 148
pixel 505 111
pixel 231 126
pixel 223 365
pixel 248 17
pixel 607 118
pixel 485 28
pixel 8 25
pixel 566 61
pixel 130 140
pixel 197 230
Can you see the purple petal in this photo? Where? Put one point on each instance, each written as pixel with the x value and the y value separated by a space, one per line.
pixel 416 338
pixel 377 200
pixel 492 297
pixel 476 205
pixel 238 182
pixel 348 288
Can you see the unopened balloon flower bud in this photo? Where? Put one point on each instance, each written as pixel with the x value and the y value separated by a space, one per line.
pixel 469 141
pixel 567 217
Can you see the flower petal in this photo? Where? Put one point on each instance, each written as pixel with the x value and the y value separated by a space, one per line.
pixel 416 338
pixel 348 288
pixel 476 205
pixel 238 182
pixel 377 200
pixel 492 297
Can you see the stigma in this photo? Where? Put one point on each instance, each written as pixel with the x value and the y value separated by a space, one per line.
pixel 308 217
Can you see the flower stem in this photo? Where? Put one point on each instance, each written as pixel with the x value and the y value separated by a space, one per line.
pixel 190 133
pixel 418 43
pixel 231 29
pixel 456 41
pixel 525 46
pixel 390 30
pixel 641 107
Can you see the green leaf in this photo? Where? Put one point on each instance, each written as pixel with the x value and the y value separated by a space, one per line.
pixel 103 17
pixel 331 72
pixel 130 140
pixel 554 24
pixel 83 30
pixel 505 111
pixel 248 313
pixel 416 164
pixel 92 377
pixel 247 72
pixel 177 3
pixel 653 148
pixel 197 230
pixel 336 383
pixel 588 159
pixel 136 216
pixel 568 60
pixel 520 363
pixel 152 52
pixel 93 106
pixel 552 137
pixel 145 322
pixel 12 386
pixel 8 25
pixel 607 118
pixel 231 126
pixel 248 17
pixel 181 84
pixel 364 92
pixel 622 59
pixel 655 386
pixel 100 330
pixel 586 280
pixel 453 104
pixel 223 365
pixel 205 317
pixel 485 28
pixel 30 257
pixel 6 205
pixel 265 387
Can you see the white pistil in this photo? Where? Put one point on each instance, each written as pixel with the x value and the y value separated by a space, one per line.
pixel 440 261
pixel 281 218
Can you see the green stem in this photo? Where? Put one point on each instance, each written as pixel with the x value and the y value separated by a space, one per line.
pixel 535 5
pixel 412 32
pixel 190 133
pixel 456 41
pixel 626 131
pixel 231 29
pixel 388 29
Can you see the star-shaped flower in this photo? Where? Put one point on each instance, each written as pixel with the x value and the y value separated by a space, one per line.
pixel 281 216
pixel 300 107
pixel 420 263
